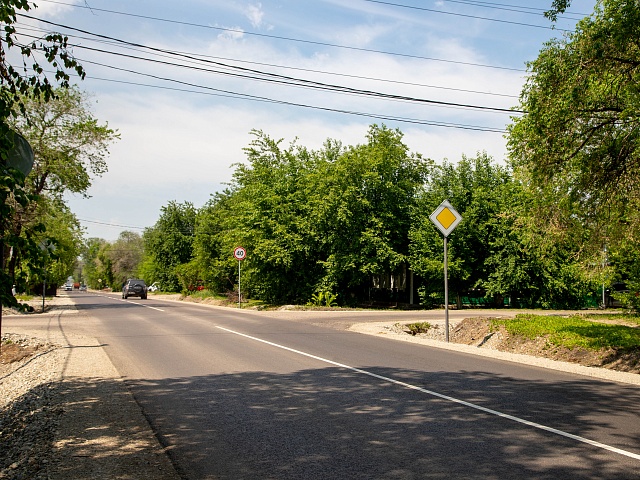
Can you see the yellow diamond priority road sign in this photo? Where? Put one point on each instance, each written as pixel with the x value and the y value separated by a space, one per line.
pixel 445 218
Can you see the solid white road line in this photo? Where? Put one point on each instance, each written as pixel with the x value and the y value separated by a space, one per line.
pixel 129 301
pixel 445 397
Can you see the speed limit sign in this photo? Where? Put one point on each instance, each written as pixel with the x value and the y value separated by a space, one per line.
pixel 239 253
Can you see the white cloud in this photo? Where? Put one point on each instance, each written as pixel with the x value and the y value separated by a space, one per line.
pixel 255 14
pixel 231 33
pixel 181 146
pixel 53 10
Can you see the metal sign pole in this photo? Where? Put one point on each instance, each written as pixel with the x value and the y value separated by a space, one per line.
pixel 239 289
pixel 446 219
pixel 446 294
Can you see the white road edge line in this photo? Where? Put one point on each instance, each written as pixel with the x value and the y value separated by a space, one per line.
pixel 445 397
pixel 135 303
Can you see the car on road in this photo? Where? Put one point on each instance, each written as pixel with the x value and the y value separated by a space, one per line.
pixel 134 287
pixel 68 287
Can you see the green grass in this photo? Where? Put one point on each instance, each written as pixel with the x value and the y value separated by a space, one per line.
pixel 206 294
pixel 625 317
pixel 23 297
pixel 571 332
pixel 418 327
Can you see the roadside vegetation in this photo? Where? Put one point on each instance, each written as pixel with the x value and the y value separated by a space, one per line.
pixel 348 225
pixel 591 339
pixel 577 331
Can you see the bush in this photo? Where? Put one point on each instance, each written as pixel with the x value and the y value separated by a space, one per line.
pixel 629 299
pixel 418 327
pixel 323 299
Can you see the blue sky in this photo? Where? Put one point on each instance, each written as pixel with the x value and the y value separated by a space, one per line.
pixel 186 109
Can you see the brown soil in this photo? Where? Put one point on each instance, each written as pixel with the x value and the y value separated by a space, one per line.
pixel 477 331
pixel 14 352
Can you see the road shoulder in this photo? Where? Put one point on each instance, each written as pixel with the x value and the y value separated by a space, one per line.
pixel 89 422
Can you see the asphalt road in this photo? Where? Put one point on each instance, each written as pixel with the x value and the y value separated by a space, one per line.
pixel 241 395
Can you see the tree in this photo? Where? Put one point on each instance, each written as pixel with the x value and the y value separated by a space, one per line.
pixel 169 243
pixel 63 230
pixel 312 221
pixel 581 126
pixel 536 254
pixel 69 147
pixel 69 144
pixel 97 264
pixel 14 82
pixel 126 254
pixel 270 203
pixel 363 209
pixel 476 189
pixel 215 238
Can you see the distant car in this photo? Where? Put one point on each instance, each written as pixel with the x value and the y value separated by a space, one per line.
pixel 154 287
pixel 83 288
pixel 134 288
pixel 68 287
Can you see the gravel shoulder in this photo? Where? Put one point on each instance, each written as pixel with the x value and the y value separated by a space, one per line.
pixel 66 414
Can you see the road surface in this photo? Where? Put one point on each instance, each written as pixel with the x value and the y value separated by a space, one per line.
pixel 241 395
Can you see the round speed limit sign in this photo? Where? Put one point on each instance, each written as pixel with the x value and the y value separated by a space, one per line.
pixel 239 253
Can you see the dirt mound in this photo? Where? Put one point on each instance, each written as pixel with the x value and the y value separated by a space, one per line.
pixel 479 332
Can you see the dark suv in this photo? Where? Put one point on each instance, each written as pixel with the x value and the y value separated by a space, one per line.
pixel 134 288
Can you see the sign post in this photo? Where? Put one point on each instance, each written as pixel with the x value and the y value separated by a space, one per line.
pixel 446 218
pixel 240 254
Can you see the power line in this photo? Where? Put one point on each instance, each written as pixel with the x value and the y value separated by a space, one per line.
pixel 276 37
pixel 323 72
pixel 316 85
pixel 270 77
pixel 230 94
pixel 491 5
pixel 475 17
pixel 110 224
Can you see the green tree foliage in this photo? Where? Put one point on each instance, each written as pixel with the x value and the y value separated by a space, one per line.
pixel 69 147
pixel 536 252
pixel 265 210
pixel 312 221
pixel 508 244
pixel 363 199
pixel 97 263
pixel 14 83
pixel 63 230
pixel 217 234
pixel 169 244
pixel 125 256
pixel 581 127
pixel 271 193
pixel 69 144
pixel 476 188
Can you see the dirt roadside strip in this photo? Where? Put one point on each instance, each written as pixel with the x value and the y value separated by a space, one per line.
pixel 70 416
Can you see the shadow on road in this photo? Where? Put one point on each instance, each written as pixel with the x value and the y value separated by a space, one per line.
pixel 333 423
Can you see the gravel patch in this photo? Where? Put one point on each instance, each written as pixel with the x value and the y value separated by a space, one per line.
pixel 66 414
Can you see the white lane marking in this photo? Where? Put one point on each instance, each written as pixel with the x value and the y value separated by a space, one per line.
pixel 446 397
pixel 135 303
